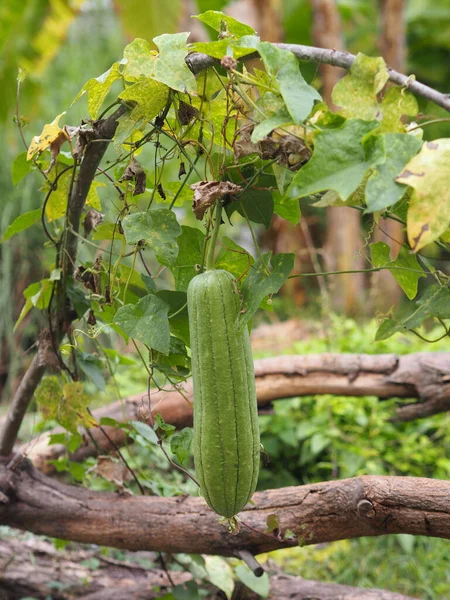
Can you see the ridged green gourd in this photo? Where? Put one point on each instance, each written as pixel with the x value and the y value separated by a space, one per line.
pixel 226 433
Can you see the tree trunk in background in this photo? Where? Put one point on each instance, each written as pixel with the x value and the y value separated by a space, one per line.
pixel 392 44
pixel 343 238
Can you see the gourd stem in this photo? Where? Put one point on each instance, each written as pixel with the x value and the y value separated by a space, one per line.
pixel 213 240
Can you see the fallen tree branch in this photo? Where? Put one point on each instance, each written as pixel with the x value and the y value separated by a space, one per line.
pixel 337 58
pixel 316 513
pixel 31 566
pixel 425 376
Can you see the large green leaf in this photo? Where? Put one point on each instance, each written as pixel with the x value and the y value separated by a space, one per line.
pixel 283 66
pixel 158 228
pixel 170 67
pixel 20 167
pixel 146 321
pixel 382 190
pixel 228 46
pixel 233 258
pixel 190 243
pixel 266 277
pixel 429 208
pixel 341 158
pixel 138 58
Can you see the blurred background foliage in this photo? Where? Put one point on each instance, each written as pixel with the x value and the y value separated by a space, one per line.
pixel 60 44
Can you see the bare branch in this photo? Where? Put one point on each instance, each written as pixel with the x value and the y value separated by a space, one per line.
pixel 336 58
pixel 425 376
pixel 316 513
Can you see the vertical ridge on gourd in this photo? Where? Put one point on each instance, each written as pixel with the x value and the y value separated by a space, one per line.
pixel 226 433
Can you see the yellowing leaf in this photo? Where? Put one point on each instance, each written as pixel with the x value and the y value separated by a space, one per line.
pixel 138 59
pixel 52 133
pixel 397 103
pixel 150 96
pixel 429 209
pixel 170 66
pixel 357 92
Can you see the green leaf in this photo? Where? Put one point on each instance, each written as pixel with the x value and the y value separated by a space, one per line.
pixel 138 59
pixel 382 190
pixel 341 158
pixel 407 279
pixel 146 321
pixel 220 574
pixel 434 302
pixel 259 585
pixel 36 294
pixel 259 283
pixel 356 93
pixel 97 89
pixel 224 24
pixel 190 243
pixel 406 270
pixel 166 429
pixel 286 207
pixel 170 67
pixel 256 204
pixel 21 223
pixel 283 66
pixel 233 258
pixel 263 129
pixel 146 432
pixel 158 228
pixel 429 208
pixel 180 445
pixel 178 314
pixel 272 523
pixel 92 367
pixel 20 167
pixel 57 203
pixel 228 46
pixel 150 95
pixel 380 253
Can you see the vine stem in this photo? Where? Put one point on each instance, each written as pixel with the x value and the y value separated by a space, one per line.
pixel 213 241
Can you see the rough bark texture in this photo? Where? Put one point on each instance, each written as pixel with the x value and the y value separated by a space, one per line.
pixel 343 238
pixel 316 513
pixel 425 376
pixel 31 567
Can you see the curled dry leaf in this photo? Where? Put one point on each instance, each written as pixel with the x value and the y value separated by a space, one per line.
pixel 289 150
pixel 135 172
pixel 91 220
pixel 111 469
pixel 207 192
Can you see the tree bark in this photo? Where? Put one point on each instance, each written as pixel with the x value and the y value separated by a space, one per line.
pixel 425 376
pixel 316 513
pixel 31 566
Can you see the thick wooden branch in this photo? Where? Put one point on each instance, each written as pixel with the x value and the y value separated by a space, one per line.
pixel 102 130
pixel 30 566
pixel 316 513
pixel 336 58
pixel 425 376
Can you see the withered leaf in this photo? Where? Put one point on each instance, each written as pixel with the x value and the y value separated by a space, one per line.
pixel 134 171
pixel 186 113
pixel 112 469
pixel 207 192
pixel 91 220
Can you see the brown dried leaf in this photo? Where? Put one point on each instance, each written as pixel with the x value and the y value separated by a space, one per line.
pixel 135 172
pixel 207 192
pixel 91 220
pixel 112 469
